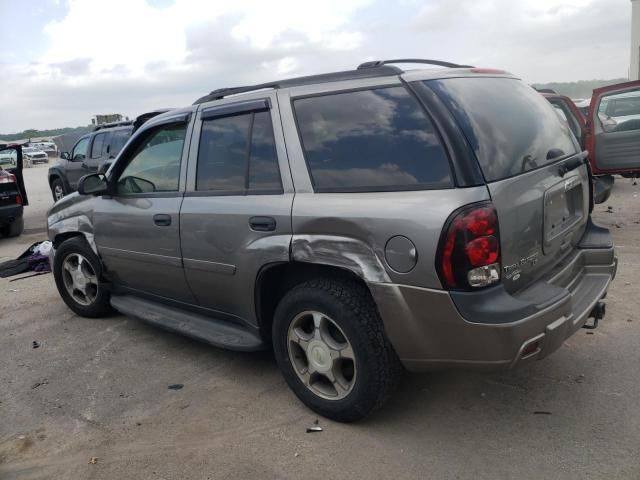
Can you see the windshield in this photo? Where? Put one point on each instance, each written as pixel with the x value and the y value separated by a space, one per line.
pixel 511 127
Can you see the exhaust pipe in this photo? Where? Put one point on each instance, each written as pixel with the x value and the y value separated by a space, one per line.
pixel 598 313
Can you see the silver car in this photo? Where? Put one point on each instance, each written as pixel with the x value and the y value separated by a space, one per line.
pixel 357 223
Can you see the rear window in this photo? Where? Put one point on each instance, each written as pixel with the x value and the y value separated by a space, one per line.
pixel 370 140
pixel 510 126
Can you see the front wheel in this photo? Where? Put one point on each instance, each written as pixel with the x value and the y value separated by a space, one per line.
pixel 57 189
pixel 332 350
pixel 77 271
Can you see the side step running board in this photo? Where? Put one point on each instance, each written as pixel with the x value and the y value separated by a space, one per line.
pixel 215 332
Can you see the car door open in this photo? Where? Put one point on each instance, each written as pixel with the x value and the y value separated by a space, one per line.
pixel 613 129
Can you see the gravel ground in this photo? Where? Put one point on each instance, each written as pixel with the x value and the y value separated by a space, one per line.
pixel 93 400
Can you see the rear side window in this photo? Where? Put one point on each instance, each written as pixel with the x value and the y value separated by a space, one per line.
pixel 98 142
pixel 370 140
pixel 118 140
pixel 510 126
pixel 237 154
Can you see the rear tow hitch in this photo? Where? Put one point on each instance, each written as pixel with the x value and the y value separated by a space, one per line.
pixel 597 314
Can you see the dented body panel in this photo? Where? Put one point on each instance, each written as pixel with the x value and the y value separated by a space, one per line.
pixel 353 231
pixel 70 215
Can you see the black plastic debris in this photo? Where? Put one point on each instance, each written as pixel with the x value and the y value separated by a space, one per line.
pixel 38 384
pixel 313 429
pixel 35 344
pixel 541 412
pixel 176 386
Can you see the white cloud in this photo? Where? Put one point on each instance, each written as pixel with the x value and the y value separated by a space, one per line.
pixel 129 56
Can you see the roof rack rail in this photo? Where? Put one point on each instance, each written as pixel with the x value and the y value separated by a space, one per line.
pixel 112 124
pixel 372 72
pixel 380 63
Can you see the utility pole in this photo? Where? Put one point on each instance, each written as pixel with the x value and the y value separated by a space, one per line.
pixel 634 64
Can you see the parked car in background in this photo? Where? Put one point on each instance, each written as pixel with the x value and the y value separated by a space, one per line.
pixel 355 222
pixel 8 158
pixel 88 155
pixel 93 152
pixel 49 148
pixel 33 156
pixel 13 196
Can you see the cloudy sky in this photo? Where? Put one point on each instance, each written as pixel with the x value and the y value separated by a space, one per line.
pixel 64 61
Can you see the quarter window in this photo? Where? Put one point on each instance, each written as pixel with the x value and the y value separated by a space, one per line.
pixel 237 155
pixel 370 140
pixel 155 165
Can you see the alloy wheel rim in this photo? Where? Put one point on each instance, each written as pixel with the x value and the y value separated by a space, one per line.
pixel 80 279
pixel 321 355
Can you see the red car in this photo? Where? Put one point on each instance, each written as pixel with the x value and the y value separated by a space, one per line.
pixel 13 196
pixel 610 131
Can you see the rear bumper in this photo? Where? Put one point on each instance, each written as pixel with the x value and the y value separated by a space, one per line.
pixel 10 213
pixel 490 328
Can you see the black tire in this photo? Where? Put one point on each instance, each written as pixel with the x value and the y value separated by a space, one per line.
pixel 351 307
pixel 101 305
pixel 55 185
pixel 15 228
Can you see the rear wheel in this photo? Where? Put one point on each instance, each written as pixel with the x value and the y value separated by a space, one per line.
pixel 57 189
pixel 77 272
pixel 15 228
pixel 332 350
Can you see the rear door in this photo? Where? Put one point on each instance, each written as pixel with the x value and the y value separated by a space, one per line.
pixel 75 167
pixel 99 145
pixel 236 213
pixel 613 129
pixel 533 166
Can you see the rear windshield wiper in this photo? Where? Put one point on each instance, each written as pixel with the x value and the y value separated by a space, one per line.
pixel 570 164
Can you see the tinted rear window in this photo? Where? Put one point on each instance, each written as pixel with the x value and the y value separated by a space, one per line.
pixel 370 140
pixel 510 126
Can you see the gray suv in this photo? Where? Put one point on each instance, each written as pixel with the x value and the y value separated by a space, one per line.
pixel 356 222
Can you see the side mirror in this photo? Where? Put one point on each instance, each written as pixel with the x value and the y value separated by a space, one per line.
pixel 65 155
pixel 93 184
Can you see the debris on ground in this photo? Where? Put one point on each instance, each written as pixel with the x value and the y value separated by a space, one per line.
pixel 541 412
pixel 93 460
pixel 629 320
pixel 315 427
pixel 35 344
pixel 38 384
pixel 609 209
pixel 176 386
pixel 579 378
pixel 589 332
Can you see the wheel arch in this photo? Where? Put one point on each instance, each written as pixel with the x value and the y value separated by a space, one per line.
pixel 274 280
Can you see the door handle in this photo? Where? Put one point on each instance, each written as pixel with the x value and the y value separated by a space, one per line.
pixel 162 219
pixel 262 224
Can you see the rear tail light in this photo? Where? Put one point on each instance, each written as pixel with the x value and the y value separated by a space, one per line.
pixel 7 178
pixel 469 250
pixel 18 199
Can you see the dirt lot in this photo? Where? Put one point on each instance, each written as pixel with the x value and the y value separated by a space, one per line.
pixel 99 388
